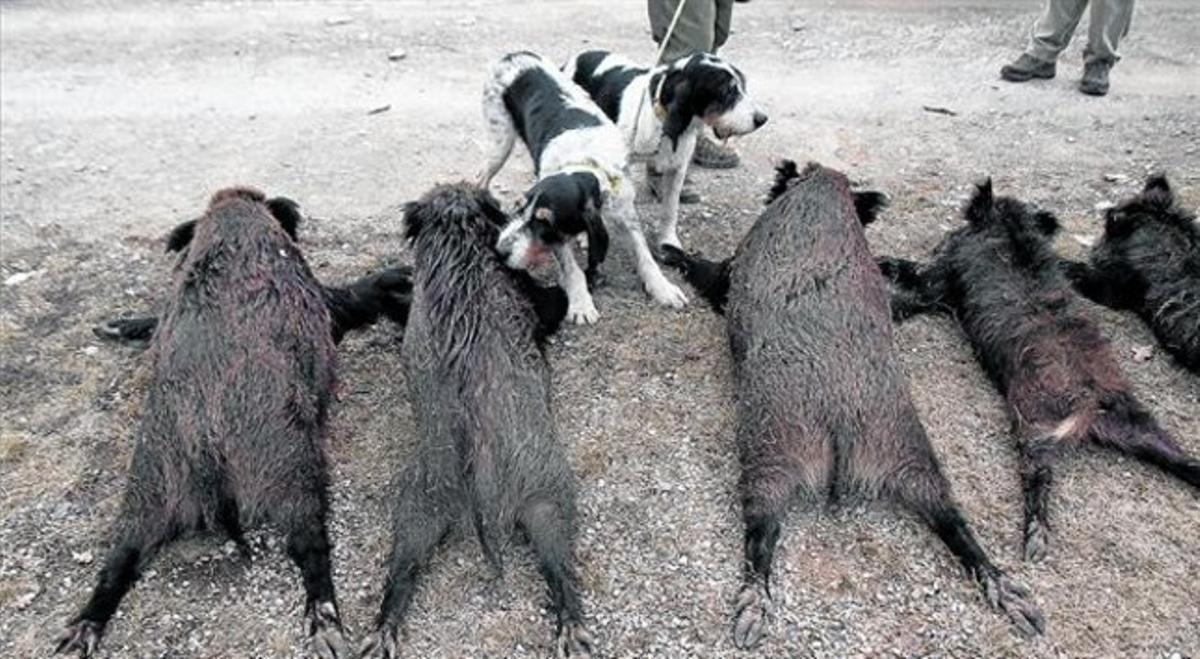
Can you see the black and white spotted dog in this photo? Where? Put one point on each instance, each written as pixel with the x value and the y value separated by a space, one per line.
pixel 662 110
pixel 581 163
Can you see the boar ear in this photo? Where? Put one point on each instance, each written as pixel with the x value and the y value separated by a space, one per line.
pixel 286 212
pixel 1047 222
pixel 415 216
pixel 784 174
pixel 1157 182
pixel 980 207
pixel 1117 223
pixel 1158 192
pixel 180 236
pixel 869 204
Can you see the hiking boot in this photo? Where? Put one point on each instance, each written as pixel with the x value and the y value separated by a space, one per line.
pixel 687 195
pixel 1027 67
pixel 711 155
pixel 1095 78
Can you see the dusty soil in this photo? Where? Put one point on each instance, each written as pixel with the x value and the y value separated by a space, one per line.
pixel 120 118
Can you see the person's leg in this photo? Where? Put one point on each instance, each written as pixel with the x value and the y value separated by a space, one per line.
pixel 694 32
pixel 1109 22
pixel 1054 29
pixel 1051 34
pixel 709 154
pixel 724 19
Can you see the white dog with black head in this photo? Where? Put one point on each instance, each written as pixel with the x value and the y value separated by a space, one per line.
pixel 581 163
pixel 662 110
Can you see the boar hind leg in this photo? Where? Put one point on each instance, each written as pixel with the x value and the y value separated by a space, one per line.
pixel 927 492
pixel 766 492
pixel 548 526
pixel 309 548
pixel 422 519
pixel 1128 428
pixel 141 533
pixel 1037 474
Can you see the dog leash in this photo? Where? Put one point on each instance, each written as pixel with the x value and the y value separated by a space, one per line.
pixel 662 48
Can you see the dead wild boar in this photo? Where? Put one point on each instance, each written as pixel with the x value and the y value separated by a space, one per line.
pixel 1148 262
pixel 480 390
pixel 361 303
pixel 233 429
pixel 823 408
pixel 1000 278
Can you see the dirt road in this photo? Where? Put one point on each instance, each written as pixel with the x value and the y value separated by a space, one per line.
pixel 118 119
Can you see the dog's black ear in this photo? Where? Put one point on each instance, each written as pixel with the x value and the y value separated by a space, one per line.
pixel 286 212
pixel 1047 222
pixel 597 235
pixel 869 204
pixel 785 173
pixel 180 236
pixel 979 210
pixel 676 97
pixel 1158 192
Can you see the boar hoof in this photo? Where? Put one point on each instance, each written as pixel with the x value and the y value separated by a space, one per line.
pixel 326 640
pixel 1037 538
pixel 1014 599
pixel 81 638
pixel 574 640
pixel 381 644
pixel 752 612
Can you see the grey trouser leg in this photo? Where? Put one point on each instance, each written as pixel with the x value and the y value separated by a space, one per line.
pixel 724 20
pixel 694 33
pixel 1109 21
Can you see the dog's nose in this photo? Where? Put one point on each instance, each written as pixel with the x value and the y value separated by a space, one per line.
pixel 759 119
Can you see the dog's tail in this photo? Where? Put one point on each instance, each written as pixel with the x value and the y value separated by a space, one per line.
pixel 709 278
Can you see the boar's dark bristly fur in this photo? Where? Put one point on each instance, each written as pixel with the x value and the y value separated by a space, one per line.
pixel 1148 262
pixel 1000 278
pixel 362 303
pixel 823 407
pixel 480 391
pixel 233 430
pixel 711 278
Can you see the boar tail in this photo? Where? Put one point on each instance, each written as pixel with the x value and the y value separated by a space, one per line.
pixel 483 492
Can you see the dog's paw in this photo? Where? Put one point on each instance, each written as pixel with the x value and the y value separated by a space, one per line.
pixel 670 240
pixel 752 612
pixel 667 294
pixel 1015 601
pixel 383 643
pixel 574 641
pixel 81 638
pixel 326 638
pixel 583 313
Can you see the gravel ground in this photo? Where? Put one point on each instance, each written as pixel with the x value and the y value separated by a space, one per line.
pixel 120 118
